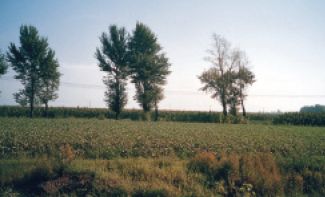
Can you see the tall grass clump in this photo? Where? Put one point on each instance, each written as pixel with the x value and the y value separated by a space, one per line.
pixel 233 174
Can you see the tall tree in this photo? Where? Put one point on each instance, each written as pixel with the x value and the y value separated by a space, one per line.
pixel 245 77
pixel 241 77
pixel 31 60
pixel 217 79
pixel 149 68
pixel 229 76
pixel 113 59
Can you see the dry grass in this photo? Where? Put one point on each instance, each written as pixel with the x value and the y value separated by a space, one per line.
pixel 232 171
pixel 133 174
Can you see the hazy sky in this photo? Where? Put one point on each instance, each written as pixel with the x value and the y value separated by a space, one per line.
pixel 284 40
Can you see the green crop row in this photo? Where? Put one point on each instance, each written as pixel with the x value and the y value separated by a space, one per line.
pixel 132 114
pixel 298 118
pixel 301 118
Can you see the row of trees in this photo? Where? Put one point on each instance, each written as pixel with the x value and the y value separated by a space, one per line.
pixel 137 56
pixel 317 108
pixel 229 76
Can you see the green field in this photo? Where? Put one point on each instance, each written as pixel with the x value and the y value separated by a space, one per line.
pixel 159 158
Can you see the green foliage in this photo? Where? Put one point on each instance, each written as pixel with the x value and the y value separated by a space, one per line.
pixel 316 108
pixel 149 67
pixel 36 68
pixel 49 80
pixel 113 59
pixel 229 77
pixel 301 118
pixel 3 64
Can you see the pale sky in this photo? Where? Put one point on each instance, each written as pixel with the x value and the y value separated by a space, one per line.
pixel 284 40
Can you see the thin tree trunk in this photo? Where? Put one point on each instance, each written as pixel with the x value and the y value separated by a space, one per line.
pixel 118 98
pixel 32 98
pixel 243 108
pixel 46 109
pixel 32 101
pixel 117 115
pixel 224 107
pixel 31 107
pixel 156 111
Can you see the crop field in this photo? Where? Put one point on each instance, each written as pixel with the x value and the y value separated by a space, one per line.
pixel 135 158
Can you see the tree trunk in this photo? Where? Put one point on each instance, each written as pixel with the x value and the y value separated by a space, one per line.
pixel 146 116
pixel 117 115
pixel 224 106
pixel 31 112
pixel 118 98
pixel 32 93
pixel 156 111
pixel 46 109
pixel 243 108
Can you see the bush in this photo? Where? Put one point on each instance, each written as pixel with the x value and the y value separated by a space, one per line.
pixel 234 171
pixel 294 184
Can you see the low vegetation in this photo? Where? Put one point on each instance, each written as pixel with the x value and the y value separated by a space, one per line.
pixel 80 157
pixel 301 118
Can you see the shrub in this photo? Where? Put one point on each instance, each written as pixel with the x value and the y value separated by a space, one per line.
pixel 67 153
pixel 262 172
pixel 30 183
pixel 259 170
pixel 313 182
pixel 202 162
pixel 294 184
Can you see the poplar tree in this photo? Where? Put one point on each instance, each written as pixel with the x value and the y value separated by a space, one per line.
pixel 113 59
pixel 35 65
pixel 149 68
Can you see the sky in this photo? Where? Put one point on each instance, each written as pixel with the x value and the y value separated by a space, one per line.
pixel 284 40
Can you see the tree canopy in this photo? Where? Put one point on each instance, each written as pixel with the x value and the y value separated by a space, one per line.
pixel 112 58
pixel 316 108
pixel 35 66
pixel 228 77
pixel 3 64
pixel 149 67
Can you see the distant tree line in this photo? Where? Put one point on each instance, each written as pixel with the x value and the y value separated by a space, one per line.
pixel 136 57
pixel 317 108
pixel 301 118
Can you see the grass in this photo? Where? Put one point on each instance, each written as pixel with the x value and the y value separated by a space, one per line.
pixel 116 158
